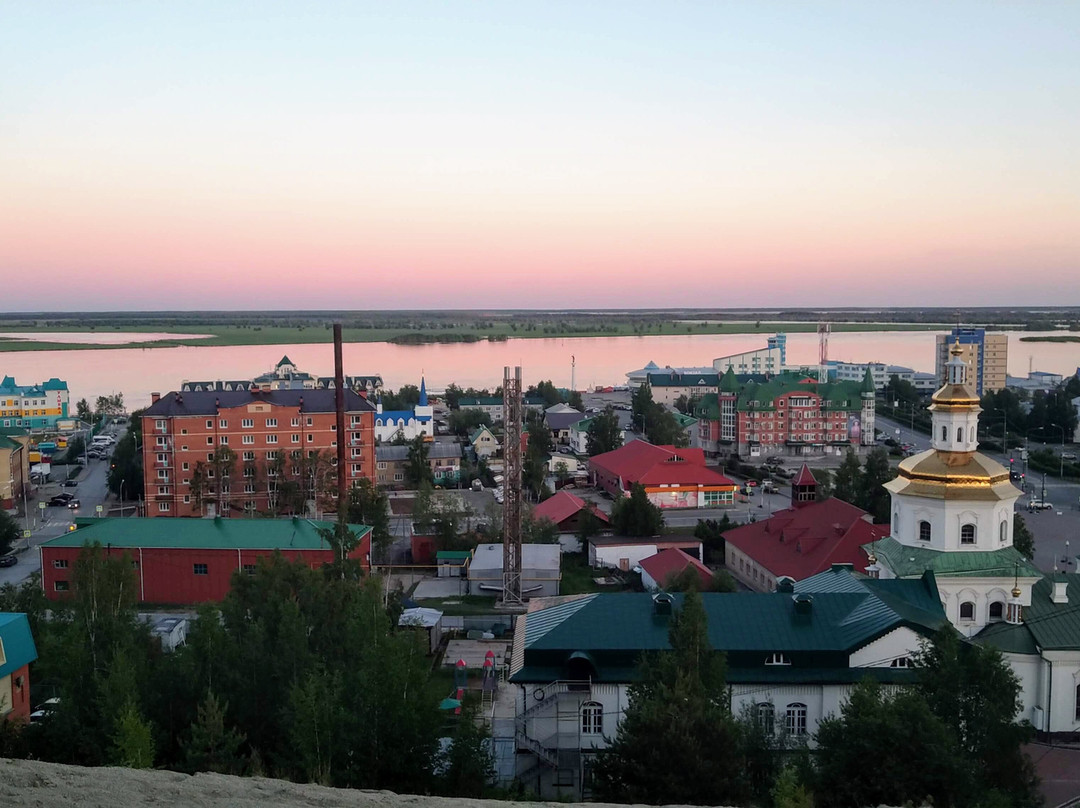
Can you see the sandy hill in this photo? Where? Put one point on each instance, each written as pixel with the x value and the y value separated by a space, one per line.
pixel 51 785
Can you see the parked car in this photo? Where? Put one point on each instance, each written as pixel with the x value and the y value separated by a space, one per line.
pixel 60 500
pixel 44 710
pixel 8 560
pixel 69 484
pixel 774 460
pixel 1040 505
pixel 769 487
pixel 1068 455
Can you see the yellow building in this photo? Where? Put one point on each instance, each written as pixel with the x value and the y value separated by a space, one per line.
pixel 986 356
pixel 14 466
pixel 37 406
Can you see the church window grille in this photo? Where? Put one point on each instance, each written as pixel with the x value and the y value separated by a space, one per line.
pixel 924 530
pixel 765 716
pixel 967 534
pixel 592 718
pixel 997 610
pixel 967 610
pixel 796 719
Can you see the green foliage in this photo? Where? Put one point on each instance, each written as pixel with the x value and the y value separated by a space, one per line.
pixel 574 400
pixel 539 531
pixel 417 468
pixel 873 498
pixel 133 740
pixel 635 515
pixel 604 434
pixel 468 766
pixel 405 399
pixel 825 484
pixel 126 468
pixel 789 792
pixel 368 505
pixel 83 411
pixel 848 479
pixel 1022 538
pixel 711 533
pixel 112 405
pixel 589 525
pixel 10 532
pixel 915 757
pixel 677 743
pixel 211 747
pixel 464 422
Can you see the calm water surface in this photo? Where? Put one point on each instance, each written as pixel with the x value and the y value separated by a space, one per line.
pixel 136 372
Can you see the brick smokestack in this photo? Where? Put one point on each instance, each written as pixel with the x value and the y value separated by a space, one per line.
pixel 339 408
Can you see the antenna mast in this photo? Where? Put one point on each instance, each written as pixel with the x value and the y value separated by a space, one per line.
pixel 512 419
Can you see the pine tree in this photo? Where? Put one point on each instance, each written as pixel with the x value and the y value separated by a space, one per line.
pixel 873 498
pixel 636 515
pixel 468 764
pixel 211 747
pixel 848 478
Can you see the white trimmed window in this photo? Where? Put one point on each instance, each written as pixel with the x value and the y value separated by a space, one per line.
pixel 796 719
pixel 592 718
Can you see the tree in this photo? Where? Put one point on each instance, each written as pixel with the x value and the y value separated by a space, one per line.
pixel 574 400
pixel 464 422
pixel 848 479
pixel 539 531
pixel 635 515
pixel 663 428
pixel 1022 538
pixel 133 741
pixel 873 498
pixel 211 747
pixel 976 694
pixel 417 468
pixel 452 395
pixel 9 531
pixel 604 433
pixel 368 505
pixel 468 766
pixel 711 533
pixel 641 403
pixel 677 742
pixel 915 757
pixel 824 484
pixel 589 525
pixel 540 443
pixel 789 792
pixel 83 411
pixel 547 391
pixel 684 404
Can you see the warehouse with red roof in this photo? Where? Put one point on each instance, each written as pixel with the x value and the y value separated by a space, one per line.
pixel 671 477
pixel 565 510
pixel 802 540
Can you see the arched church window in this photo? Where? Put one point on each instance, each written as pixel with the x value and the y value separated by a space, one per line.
pixel 944 433
pixel 1003 531
pixel 967 534
pixel 765 716
pixel 967 610
pixel 959 434
pixel 924 530
pixel 997 610
pixel 971 434
pixel 896 523
pixel 796 719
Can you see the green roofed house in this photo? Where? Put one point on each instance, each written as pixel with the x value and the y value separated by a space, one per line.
pixel 793 656
pixel 187 561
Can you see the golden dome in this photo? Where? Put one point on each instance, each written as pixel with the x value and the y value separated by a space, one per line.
pixel 1016 592
pixel 953 475
pixel 872 559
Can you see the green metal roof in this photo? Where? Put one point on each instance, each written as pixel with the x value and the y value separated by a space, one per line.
pixel 906 561
pixel 845 396
pixel 614 629
pixel 19 648
pixel 1008 638
pixel 453 555
pixel 684 420
pixel 1055 626
pixel 8 443
pixel 180 533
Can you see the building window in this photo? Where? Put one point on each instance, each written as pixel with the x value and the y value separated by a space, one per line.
pixel 310 421
pixel 247 423
pixel 967 611
pixel 967 534
pixel 184 467
pixel 224 441
pixel 997 610
pixel 398 477
pixel 209 423
pixel 249 488
pixel 796 719
pixel 60 586
pixel 271 438
pixel 901 662
pixel 249 569
pixel 199 569
pixel 164 507
pixel 223 424
pixel 209 440
pixel 294 422
pixel 381 465
pixel 248 439
pixel 60 564
pixel 295 438
pixel 249 455
pixel 765 716
pixel 959 434
pixel 592 718
pixel 1003 531
pixel 158 424
pixel 271 423
pixel 777 659
pixel 310 438
pixel 924 530
pixel 1077 700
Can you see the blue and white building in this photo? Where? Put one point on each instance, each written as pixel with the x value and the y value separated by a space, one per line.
pixel 420 420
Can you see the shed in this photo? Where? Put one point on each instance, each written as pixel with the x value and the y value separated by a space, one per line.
pixel 452 563
pixel 424 619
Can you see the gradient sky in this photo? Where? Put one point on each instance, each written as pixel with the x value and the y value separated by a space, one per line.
pixel 218 155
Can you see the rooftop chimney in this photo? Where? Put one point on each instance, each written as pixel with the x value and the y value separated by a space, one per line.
pixel 803 604
pixel 662 602
pixel 785 583
pixel 1061 594
pixel 155 398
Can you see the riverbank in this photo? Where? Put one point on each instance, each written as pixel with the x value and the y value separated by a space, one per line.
pixel 420 333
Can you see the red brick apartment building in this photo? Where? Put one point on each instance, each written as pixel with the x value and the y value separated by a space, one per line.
pixel 274 438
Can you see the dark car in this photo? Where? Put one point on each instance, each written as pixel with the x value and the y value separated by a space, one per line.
pixel 74 504
pixel 60 500
pixel 69 484
pixel 8 560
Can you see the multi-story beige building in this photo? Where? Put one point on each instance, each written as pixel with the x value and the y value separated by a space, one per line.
pixel 986 355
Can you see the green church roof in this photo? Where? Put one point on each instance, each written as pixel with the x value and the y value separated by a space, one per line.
pixel 906 561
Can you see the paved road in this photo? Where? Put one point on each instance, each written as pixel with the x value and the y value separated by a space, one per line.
pixel 50 522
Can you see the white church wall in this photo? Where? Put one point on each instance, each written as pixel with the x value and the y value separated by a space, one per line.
pixel 900 642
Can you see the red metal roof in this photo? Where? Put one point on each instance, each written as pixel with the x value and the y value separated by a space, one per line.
pixel 642 462
pixel 668 563
pixel 564 505
pixel 805 477
pixel 804 541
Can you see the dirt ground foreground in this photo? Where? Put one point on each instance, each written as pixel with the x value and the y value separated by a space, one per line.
pixel 50 785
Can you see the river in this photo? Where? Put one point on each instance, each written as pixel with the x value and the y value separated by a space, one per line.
pixel 136 372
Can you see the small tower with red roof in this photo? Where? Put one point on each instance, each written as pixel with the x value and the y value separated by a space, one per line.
pixel 803 488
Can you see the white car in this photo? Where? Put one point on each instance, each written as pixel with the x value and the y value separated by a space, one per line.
pixel 1040 505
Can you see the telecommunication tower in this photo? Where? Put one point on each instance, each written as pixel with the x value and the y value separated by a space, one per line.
pixel 512 420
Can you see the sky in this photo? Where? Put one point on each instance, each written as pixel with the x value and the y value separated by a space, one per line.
pixel 276 155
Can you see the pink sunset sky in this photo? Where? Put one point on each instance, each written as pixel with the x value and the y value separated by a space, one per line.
pixel 451 155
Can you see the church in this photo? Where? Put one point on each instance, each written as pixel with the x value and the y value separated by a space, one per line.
pixel 952 514
pixel 407 424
